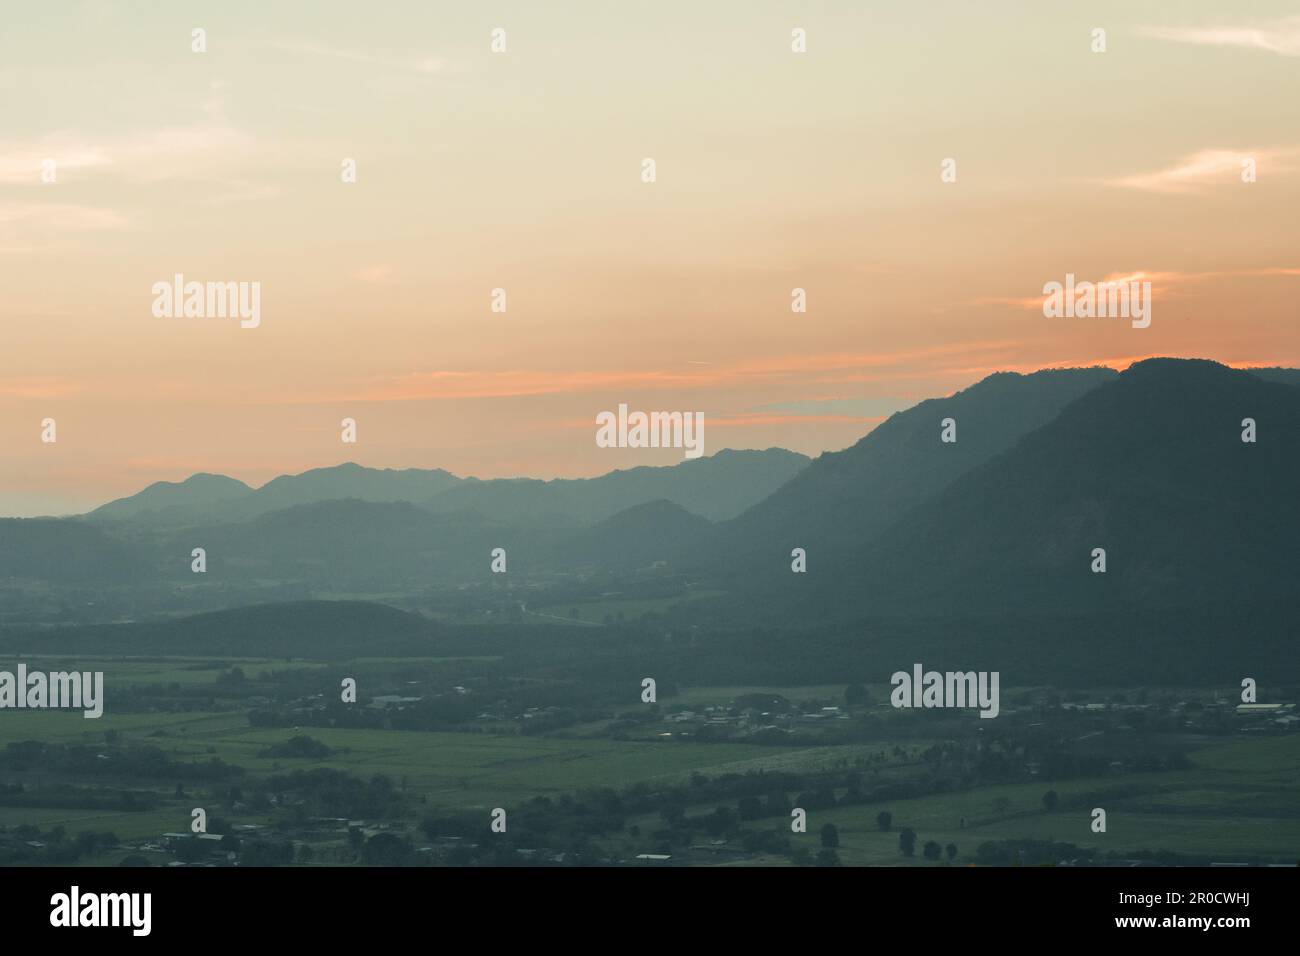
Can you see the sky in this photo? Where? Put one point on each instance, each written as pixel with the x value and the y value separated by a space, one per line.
pixel 522 170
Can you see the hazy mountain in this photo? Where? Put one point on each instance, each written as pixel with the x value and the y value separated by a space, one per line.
pixel 64 551
pixel 716 487
pixel 1287 376
pixel 845 498
pixel 635 538
pixel 1151 467
pixel 208 498
pixel 177 500
pixel 351 480
pixel 348 543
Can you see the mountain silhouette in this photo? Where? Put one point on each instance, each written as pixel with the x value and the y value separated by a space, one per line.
pixel 845 498
pixel 1151 467
pixel 718 486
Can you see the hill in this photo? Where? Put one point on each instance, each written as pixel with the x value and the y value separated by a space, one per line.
pixel 1150 467
pixel 716 487
pixel 845 498
pixel 315 630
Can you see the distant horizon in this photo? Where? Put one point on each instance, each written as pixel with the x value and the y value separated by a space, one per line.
pixel 665 458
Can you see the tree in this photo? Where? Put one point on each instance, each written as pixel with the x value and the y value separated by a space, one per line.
pixel 722 821
pixel 1050 800
pixel 386 849
pixel 855 695
pixel 932 850
pixel 951 850
pixel 673 814
pixel 907 841
pixel 356 839
pixel 190 849
pixel 884 820
pixel 854 783
pixel 830 835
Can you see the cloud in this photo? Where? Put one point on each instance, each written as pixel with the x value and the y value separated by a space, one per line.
pixel 423 64
pixel 171 152
pixel 1277 36
pixel 21 162
pixel 1164 283
pixel 60 217
pixel 802 370
pixel 749 420
pixel 39 388
pixel 839 408
pixel 1205 168
pixel 242 191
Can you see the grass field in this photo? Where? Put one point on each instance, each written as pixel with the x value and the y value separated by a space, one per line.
pixel 1237 798
pixel 594 612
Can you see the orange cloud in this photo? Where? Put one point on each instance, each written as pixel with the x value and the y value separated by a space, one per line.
pixel 1205 168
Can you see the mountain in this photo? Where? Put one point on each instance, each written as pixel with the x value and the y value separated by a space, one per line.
pixel 716 487
pixel 634 538
pixel 208 498
pixel 1287 376
pixel 719 486
pixel 317 630
pixel 171 500
pixel 1150 467
pixel 64 551
pixel 848 497
pixel 351 480
pixel 349 544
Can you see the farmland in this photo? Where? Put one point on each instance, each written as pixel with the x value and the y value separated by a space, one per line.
pixel 226 735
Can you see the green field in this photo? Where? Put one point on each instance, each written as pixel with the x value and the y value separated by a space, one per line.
pixel 593 612
pixel 1238 797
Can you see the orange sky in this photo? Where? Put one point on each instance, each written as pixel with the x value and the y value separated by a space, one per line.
pixel 521 170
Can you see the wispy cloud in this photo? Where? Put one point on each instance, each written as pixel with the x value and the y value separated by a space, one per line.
pixel 423 64
pixel 1205 168
pixel 750 420
pixel 838 408
pixel 59 217
pixel 38 387
pixel 1164 283
pixel 172 152
pixel 829 368
pixel 1276 36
